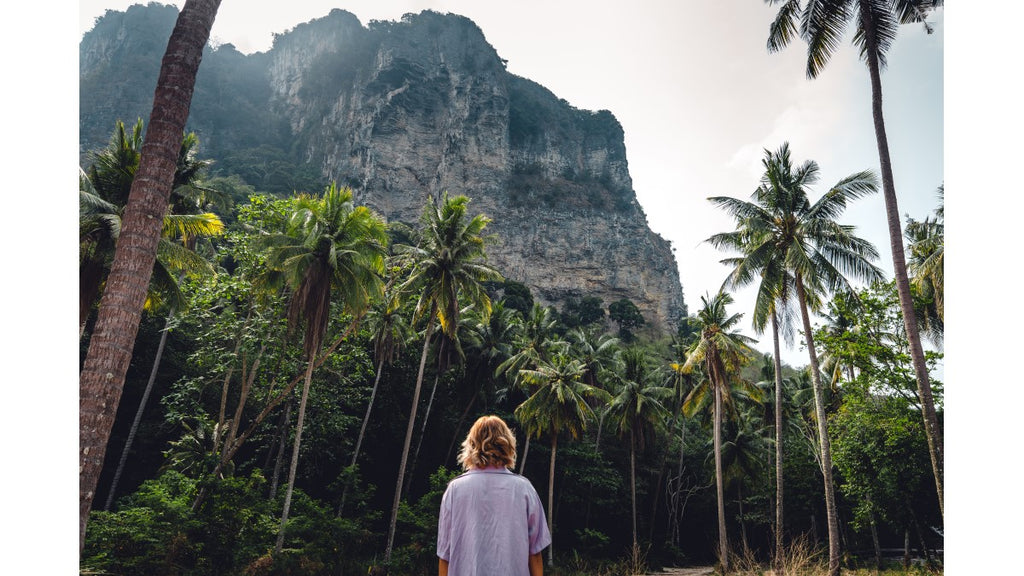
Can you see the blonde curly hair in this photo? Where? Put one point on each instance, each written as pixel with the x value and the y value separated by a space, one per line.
pixel 490 442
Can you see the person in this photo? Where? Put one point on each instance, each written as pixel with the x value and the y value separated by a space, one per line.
pixel 492 521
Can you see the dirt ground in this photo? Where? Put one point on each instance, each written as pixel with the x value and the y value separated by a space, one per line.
pixel 693 571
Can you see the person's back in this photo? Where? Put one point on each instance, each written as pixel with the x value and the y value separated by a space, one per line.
pixel 491 520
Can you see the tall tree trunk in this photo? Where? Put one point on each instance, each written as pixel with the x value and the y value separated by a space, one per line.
pixel 823 440
pixel 138 413
pixel 779 550
pixel 657 498
pixel 743 522
pixel 906 547
pixel 228 451
pixel 874 536
pixel 282 443
pixel 243 395
pixel 295 455
pixel 676 520
pixel 362 433
pixel 526 450
pixel 110 348
pixel 408 436
pixel 632 483
pixel 723 540
pixel 458 427
pixel 892 214
pixel 423 432
pixel 551 498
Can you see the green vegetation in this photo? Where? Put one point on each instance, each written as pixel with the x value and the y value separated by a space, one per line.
pixel 236 441
pixel 261 292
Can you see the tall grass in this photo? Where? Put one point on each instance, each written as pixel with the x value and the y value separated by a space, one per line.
pixel 801 558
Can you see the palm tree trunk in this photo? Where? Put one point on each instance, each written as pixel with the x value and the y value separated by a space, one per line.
pixel 458 427
pixel 823 440
pixel 676 520
pixel 778 446
pixel 632 482
pixel 723 542
pixel 526 450
pixel 283 436
pixel 295 455
pixel 551 498
pixel 892 214
pixel 138 413
pixel 408 436
pixel 362 433
pixel 423 432
pixel 743 523
pixel 110 348
pixel 657 497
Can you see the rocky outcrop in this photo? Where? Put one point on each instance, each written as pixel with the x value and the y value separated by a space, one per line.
pixel 404 110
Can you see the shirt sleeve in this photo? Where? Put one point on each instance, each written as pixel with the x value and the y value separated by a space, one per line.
pixel 540 537
pixel 444 527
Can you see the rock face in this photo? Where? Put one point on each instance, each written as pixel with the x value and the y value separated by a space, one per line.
pixel 404 110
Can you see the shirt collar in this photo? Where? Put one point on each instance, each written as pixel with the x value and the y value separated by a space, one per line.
pixel 489 470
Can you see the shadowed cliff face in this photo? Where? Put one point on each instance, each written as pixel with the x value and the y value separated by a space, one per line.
pixel 403 110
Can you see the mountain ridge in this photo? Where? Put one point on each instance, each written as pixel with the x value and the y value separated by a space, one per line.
pixel 403 110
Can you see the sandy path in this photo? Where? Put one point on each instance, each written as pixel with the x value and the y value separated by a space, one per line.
pixel 693 571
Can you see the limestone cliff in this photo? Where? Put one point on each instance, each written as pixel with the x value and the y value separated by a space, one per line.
pixel 403 110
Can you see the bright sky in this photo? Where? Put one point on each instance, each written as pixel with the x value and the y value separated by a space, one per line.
pixel 699 98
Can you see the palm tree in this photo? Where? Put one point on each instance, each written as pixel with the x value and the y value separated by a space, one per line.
pixel 537 342
pixel 927 246
pixel 102 377
pixel 99 224
pixel 742 459
pixel 557 405
pixel 821 25
pixel 103 193
pixel 449 268
pixel 330 247
pixel 782 235
pixel 635 408
pixel 598 353
pixel 720 353
pixel 774 303
pixel 390 333
pixel 488 343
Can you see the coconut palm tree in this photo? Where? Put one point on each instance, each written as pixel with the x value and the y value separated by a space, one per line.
pixel 742 458
pixel 390 332
pixel 599 352
pixel 103 193
pixel 559 404
pixel 488 343
pixel 720 353
pixel 537 342
pixel 821 23
pixel 783 234
pixel 927 245
pixel 637 407
pixel 448 271
pixel 106 362
pixel 330 248
pixel 775 303
pixel 99 223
